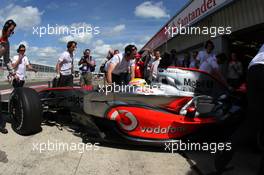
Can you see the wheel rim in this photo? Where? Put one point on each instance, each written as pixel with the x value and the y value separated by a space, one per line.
pixel 16 111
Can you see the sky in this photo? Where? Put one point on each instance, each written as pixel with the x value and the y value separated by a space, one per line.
pixel 97 25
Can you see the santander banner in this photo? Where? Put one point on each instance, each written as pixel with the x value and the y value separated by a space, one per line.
pixel 195 11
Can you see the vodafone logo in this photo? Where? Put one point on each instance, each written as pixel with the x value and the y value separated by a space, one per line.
pixel 125 119
pixel 162 130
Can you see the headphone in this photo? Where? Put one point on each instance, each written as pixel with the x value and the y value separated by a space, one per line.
pixel 8 23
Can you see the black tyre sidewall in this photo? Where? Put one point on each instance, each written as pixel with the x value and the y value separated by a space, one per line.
pixel 31 111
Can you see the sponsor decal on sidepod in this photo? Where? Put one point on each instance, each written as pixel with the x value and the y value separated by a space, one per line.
pixel 159 130
pixel 132 123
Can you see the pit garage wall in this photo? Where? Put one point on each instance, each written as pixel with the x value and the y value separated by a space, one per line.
pixel 239 15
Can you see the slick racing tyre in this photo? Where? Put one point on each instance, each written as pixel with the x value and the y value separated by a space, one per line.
pixel 25 111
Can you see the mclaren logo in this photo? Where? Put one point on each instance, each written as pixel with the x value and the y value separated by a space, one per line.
pixel 125 119
pixel 198 84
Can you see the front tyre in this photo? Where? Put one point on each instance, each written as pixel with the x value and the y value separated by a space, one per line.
pixel 26 111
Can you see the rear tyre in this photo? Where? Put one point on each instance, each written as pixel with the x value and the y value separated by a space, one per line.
pixel 26 111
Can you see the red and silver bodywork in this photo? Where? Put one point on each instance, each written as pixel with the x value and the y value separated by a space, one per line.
pixel 181 102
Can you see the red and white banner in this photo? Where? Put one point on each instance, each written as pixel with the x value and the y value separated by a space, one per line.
pixel 192 13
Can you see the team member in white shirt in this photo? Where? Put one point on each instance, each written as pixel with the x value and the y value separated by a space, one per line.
pixel 207 53
pixel 211 66
pixel 110 55
pixel 210 63
pixel 20 63
pixel 64 66
pixel 154 66
pixel 120 65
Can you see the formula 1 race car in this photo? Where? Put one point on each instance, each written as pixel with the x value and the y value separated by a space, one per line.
pixel 178 104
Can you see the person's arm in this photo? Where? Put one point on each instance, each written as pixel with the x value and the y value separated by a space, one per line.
pixel 111 67
pixel 151 71
pixel 91 62
pixel 132 72
pixel 132 65
pixel 59 65
pixel 80 62
pixel 58 68
pixel 17 62
pixel 31 68
pixel 2 50
pixel 6 54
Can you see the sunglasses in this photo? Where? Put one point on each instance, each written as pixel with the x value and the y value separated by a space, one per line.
pixel 22 50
